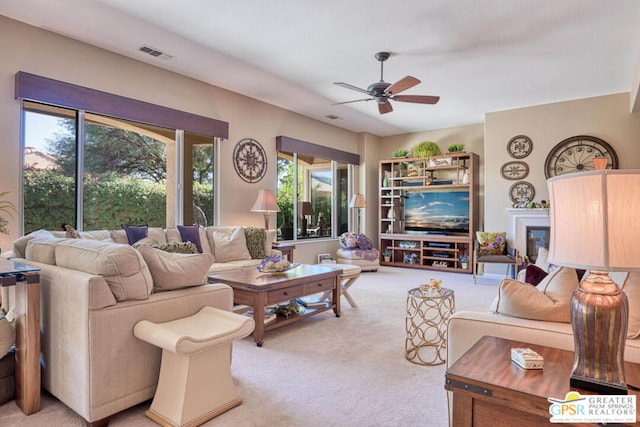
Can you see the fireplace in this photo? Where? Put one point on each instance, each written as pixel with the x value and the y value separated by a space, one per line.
pixel 529 230
pixel 537 237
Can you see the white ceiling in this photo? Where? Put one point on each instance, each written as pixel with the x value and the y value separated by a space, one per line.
pixel 479 56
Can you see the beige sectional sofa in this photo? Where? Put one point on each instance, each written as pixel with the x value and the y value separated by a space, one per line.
pixel 95 288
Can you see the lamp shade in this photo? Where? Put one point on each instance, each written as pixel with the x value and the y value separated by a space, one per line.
pixel 357 201
pixel 265 202
pixel 305 208
pixel 595 220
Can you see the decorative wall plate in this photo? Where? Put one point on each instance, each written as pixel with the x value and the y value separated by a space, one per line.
pixel 250 160
pixel 514 170
pixel 576 154
pixel 519 146
pixel 522 192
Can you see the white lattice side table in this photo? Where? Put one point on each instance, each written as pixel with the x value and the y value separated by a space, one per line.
pixel 427 317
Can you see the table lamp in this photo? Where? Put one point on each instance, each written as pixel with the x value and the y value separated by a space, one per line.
pixel 305 209
pixel 358 202
pixel 266 203
pixel 595 224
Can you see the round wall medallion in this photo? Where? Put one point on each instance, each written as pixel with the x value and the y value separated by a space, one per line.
pixel 522 191
pixel 250 160
pixel 519 146
pixel 576 154
pixel 514 170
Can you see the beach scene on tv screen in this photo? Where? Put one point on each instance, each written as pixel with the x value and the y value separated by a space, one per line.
pixel 446 211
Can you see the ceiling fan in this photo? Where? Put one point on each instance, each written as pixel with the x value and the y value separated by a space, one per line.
pixel 382 91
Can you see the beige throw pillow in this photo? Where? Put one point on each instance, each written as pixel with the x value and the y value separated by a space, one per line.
pixel 175 271
pixel 229 244
pixel 550 300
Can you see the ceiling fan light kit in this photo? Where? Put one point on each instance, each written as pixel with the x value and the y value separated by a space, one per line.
pixel 383 92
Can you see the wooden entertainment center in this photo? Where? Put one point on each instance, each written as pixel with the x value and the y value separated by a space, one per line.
pixel 421 245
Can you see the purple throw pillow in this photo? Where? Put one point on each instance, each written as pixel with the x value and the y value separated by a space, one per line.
pixel 135 232
pixel 364 242
pixel 191 233
pixel 534 274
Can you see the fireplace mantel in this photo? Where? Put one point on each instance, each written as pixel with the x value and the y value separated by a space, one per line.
pixel 523 218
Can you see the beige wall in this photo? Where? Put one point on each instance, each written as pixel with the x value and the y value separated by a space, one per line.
pixel 605 117
pixel 36 51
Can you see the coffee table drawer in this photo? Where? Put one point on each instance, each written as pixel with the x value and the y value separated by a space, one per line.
pixel 318 286
pixel 280 295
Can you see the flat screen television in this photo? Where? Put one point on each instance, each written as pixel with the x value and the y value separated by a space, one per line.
pixel 443 211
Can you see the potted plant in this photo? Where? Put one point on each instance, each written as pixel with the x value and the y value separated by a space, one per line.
pixel 455 148
pixel 387 255
pixel 7 208
pixel 464 261
pixel 426 149
pixel 400 153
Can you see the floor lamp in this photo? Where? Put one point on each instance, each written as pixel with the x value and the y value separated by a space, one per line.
pixel 266 203
pixel 358 202
pixel 595 226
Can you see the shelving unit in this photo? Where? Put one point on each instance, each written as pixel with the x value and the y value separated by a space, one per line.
pixel 457 171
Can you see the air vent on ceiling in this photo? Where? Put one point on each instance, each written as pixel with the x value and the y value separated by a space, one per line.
pixel 155 52
pixel 332 116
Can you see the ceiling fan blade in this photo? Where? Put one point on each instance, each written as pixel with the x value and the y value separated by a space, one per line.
pixel 385 107
pixel 418 99
pixel 402 85
pixel 349 102
pixel 352 87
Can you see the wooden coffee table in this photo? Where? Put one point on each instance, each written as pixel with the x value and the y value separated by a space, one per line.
pixel 489 389
pixel 259 290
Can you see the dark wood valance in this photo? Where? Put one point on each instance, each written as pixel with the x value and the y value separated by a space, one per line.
pixel 292 145
pixel 50 91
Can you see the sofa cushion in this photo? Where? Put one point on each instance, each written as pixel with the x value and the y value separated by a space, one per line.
pixel 491 243
pixel 19 246
pixel 191 233
pixel 122 266
pixel 42 250
pixel 256 238
pixel 174 271
pixel 228 243
pixel 550 300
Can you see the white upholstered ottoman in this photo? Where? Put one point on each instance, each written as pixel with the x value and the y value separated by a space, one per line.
pixel 195 381
pixel 367 260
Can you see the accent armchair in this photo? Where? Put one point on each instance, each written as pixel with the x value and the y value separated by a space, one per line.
pixel 493 248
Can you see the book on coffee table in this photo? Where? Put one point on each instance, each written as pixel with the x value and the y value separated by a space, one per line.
pixel 312 301
pixel 268 317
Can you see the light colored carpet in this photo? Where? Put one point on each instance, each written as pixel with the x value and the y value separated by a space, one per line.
pixel 325 371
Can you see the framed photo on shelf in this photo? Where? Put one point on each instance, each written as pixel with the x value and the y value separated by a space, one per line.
pixel 325 259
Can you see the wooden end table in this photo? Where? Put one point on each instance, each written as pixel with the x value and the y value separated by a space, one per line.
pixel 26 279
pixel 286 249
pixel 260 290
pixel 489 389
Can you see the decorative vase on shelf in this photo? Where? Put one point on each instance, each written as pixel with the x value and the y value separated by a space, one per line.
pixel 385 180
pixel 391 214
pixel 465 177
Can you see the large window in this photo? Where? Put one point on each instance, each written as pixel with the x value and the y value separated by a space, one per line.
pixel 313 190
pixel 98 160
pixel 117 175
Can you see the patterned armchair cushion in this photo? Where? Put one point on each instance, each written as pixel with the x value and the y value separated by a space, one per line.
pixel 491 243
